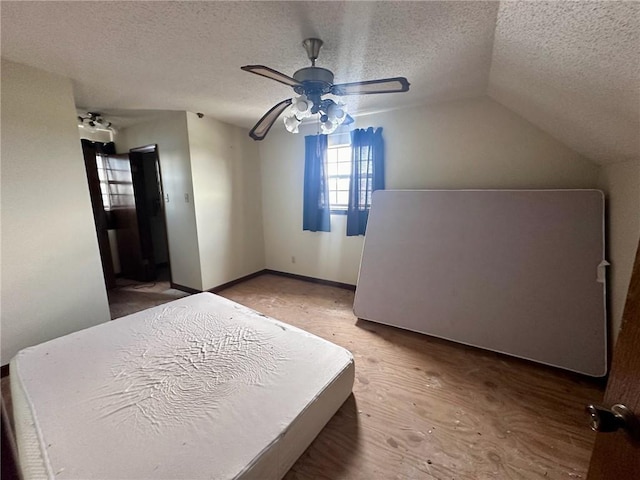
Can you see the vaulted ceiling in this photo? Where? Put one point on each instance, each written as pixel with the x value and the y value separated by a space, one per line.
pixel 571 68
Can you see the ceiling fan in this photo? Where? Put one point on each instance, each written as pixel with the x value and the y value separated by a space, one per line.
pixel 311 83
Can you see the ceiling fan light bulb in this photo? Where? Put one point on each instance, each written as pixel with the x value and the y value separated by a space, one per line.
pixel 328 127
pixel 302 106
pixel 291 123
pixel 336 114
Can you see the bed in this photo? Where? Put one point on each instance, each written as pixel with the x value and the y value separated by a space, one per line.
pixel 197 388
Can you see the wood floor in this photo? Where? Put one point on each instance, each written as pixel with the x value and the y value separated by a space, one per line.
pixel 424 408
pixel 131 296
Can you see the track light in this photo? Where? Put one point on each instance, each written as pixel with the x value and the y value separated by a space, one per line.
pixel 94 121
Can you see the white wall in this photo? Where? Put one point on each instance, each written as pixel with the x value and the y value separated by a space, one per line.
pixel 103 136
pixel 330 256
pixel 621 181
pixel 52 280
pixel 227 198
pixel 473 143
pixel 169 132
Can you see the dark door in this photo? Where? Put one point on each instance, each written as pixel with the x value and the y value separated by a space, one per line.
pixel 147 187
pixel 89 151
pixel 125 218
pixel 142 210
pixel 616 455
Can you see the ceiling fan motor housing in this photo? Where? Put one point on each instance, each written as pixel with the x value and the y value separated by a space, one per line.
pixel 314 80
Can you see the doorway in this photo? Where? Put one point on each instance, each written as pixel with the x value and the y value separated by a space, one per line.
pixel 127 198
pixel 143 245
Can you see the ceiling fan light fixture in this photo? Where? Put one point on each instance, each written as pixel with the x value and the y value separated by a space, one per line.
pixel 336 113
pixel 291 123
pixel 328 126
pixel 311 83
pixel 301 107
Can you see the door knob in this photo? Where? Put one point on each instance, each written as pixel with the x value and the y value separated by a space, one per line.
pixel 610 420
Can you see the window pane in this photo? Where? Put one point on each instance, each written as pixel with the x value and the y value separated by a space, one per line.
pixel 363 200
pixel 343 198
pixel 120 176
pixel 344 168
pixel 339 172
pixel 344 154
pixel 343 183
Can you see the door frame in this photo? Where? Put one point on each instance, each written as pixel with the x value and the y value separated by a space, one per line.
pixel 153 148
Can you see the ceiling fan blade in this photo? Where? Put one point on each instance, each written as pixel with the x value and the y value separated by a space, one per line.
pixel 260 130
pixel 384 85
pixel 272 74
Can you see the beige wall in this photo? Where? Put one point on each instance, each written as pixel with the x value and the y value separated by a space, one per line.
pixel 103 136
pixel 211 172
pixel 621 182
pixel 465 144
pixel 51 272
pixel 227 199
pixel 169 132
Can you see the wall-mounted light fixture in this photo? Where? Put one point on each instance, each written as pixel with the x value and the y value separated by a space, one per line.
pixel 93 121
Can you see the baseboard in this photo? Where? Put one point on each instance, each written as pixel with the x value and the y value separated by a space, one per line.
pixel 219 288
pixel 330 283
pixel 182 288
pixel 236 281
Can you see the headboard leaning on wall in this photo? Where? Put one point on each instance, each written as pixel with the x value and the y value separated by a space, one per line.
pixel 520 272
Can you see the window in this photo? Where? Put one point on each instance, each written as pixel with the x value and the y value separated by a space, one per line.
pixel 339 176
pixel 354 169
pixel 115 181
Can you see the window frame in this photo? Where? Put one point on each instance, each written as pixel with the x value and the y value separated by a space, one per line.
pixel 339 142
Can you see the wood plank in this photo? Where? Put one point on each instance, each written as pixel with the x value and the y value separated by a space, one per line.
pixel 427 408
pixel 424 408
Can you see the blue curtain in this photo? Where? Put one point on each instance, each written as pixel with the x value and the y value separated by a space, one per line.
pixel 316 215
pixel 367 175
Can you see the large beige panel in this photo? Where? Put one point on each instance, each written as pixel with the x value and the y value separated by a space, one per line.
pixel 169 132
pixel 52 280
pixel 519 272
pixel 227 199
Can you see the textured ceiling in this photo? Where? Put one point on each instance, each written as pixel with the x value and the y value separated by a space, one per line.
pixel 571 68
pixel 187 55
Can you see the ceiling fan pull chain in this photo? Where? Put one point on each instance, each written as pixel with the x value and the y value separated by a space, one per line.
pixel 318 149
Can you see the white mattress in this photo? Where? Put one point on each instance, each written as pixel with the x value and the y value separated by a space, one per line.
pixel 197 388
